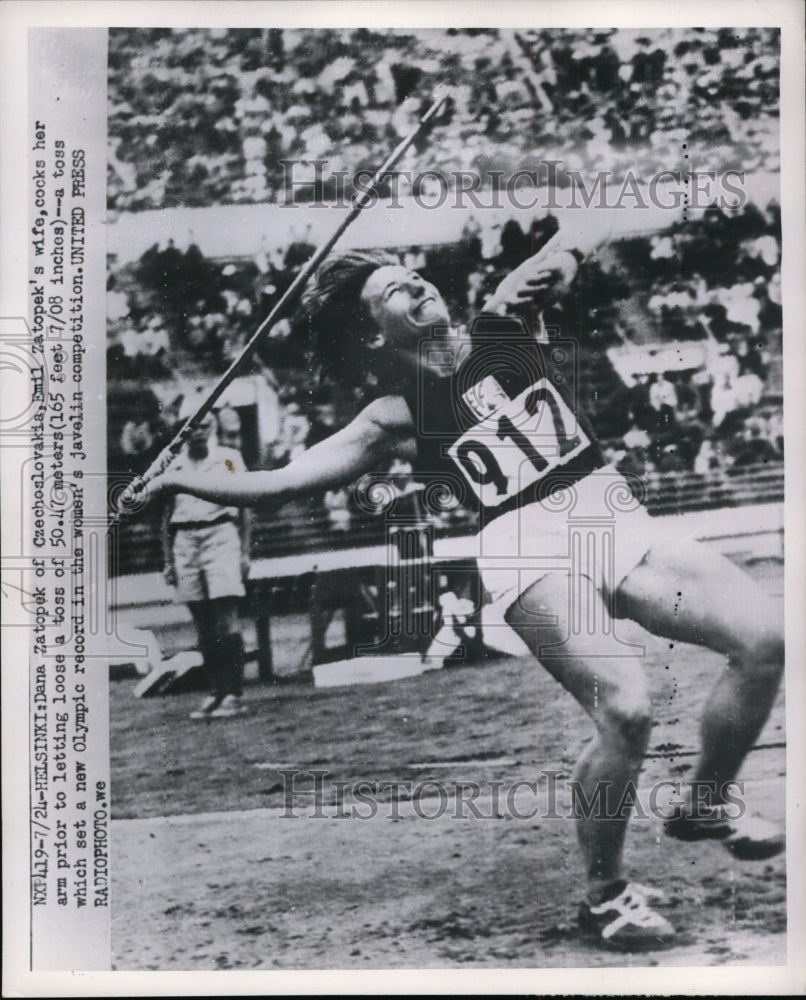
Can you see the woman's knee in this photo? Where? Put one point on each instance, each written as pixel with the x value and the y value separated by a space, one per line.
pixel 625 709
pixel 761 654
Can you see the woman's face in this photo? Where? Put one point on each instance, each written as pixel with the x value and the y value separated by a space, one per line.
pixel 404 306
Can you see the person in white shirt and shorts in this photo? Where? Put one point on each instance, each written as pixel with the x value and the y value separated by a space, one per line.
pixel 206 559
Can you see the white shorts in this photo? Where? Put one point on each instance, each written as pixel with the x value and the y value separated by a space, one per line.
pixel 593 528
pixel 208 563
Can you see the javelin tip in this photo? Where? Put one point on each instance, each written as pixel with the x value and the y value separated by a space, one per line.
pixel 441 94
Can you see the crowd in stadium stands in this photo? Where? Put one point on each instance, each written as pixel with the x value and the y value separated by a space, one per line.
pixel 175 315
pixel 202 116
pixel 205 116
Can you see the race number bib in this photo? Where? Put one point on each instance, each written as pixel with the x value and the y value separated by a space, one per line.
pixel 520 443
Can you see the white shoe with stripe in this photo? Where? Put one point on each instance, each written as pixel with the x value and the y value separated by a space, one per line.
pixel 625 920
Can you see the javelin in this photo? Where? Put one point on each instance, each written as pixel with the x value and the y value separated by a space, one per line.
pixel 289 297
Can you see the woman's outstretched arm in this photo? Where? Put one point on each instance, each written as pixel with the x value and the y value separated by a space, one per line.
pixel 379 433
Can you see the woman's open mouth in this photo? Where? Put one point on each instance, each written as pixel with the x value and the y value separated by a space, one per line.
pixel 429 310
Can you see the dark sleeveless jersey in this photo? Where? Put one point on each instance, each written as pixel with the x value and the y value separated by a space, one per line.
pixel 500 427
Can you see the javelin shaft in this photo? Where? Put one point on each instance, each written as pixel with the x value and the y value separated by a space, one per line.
pixel 289 298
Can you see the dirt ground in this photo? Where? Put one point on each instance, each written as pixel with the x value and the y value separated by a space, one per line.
pixel 218 866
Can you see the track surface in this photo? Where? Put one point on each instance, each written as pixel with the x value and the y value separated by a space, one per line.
pixel 209 873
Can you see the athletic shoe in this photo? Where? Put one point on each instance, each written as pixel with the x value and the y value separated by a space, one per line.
pixel 749 838
pixel 231 706
pixel 203 711
pixel 624 920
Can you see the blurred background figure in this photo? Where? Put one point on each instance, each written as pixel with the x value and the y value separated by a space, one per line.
pixel 206 555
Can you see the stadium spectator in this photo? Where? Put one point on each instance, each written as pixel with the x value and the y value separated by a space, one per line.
pixel 643 413
pixel 137 439
pixel 670 461
pixel 750 355
pixel 135 430
pixel 470 244
pixel 688 399
pixel 337 505
pixel 708 459
pixel 294 430
pixel 662 399
pixel 753 447
pixel 723 398
pixel 229 428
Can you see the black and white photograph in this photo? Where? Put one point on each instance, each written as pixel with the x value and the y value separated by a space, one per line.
pixel 415 446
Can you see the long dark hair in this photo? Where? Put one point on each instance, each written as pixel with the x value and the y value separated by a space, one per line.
pixel 337 324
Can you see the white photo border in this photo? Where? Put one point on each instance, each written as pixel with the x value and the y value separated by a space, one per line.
pixel 15 19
